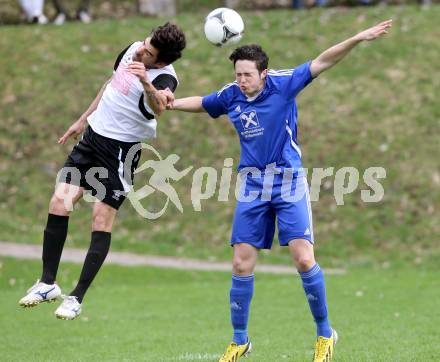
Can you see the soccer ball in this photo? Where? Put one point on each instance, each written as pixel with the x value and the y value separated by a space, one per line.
pixel 224 27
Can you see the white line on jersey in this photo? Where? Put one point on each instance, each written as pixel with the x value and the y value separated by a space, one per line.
pixel 226 87
pixel 292 142
pixel 282 71
pixel 280 74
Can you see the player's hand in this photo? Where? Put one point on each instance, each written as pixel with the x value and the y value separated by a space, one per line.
pixel 375 31
pixel 74 131
pixel 138 69
pixel 169 97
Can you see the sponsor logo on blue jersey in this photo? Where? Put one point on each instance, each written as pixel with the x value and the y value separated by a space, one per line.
pixel 251 125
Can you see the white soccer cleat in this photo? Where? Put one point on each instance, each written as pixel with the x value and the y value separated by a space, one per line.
pixel 40 292
pixel 69 309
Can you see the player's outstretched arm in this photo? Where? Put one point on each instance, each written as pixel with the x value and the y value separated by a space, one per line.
pixel 189 104
pixel 78 127
pixel 333 55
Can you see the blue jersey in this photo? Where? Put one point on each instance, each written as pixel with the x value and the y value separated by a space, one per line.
pixel 266 125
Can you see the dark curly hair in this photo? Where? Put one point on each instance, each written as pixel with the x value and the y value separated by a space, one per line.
pixel 169 40
pixel 251 52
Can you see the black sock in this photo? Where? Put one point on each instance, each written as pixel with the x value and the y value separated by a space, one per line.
pixel 54 237
pixel 98 250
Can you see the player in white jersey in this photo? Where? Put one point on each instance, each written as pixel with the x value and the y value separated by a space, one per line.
pixel 261 106
pixel 123 114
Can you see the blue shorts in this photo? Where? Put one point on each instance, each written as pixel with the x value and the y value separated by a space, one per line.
pixel 288 202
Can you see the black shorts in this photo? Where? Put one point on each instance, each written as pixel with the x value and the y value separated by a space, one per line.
pixel 100 165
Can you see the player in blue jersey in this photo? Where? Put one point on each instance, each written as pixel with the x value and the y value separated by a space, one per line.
pixel 260 103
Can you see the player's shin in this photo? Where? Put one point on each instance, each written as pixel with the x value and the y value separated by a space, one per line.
pixel 240 299
pixel 53 243
pixel 96 255
pixel 314 288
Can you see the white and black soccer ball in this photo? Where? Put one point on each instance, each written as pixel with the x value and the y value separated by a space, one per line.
pixel 223 27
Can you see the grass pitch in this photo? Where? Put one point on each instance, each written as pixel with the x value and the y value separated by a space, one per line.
pixel 148 314
pixel 377 108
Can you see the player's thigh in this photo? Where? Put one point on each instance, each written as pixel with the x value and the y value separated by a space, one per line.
pixel 71 177
pixel 294 214
pixel 254 224
pixel 113 163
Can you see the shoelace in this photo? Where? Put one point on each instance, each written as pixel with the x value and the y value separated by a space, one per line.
pixel 32 288
pixel 70 301
pixel 228 351
pixel 322 347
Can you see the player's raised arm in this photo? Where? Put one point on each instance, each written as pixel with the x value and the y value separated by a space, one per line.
pixel 333 55
pixel 78 127
pixel 155 99
pixel 189 104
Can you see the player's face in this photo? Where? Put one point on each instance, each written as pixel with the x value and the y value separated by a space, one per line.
pixel 249 79
pixel 147 54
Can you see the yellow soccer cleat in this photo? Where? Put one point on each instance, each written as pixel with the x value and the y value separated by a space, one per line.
pixel 324 348
pixel 235 351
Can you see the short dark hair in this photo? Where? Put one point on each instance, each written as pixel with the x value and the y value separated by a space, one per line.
pixel 251 52
pixel 169 40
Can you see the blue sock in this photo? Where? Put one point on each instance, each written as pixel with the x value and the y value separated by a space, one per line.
pixel 314 287
pixel 240 299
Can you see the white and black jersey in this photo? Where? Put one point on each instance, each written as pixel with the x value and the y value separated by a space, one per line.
pixel 121 120
pixel 123 113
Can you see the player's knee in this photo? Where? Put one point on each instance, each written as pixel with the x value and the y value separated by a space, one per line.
pixel 101 222
pixel 59 206
pixel 304 262
pixel 241 266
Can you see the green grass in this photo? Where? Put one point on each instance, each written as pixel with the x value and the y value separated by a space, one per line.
pixel 377 108
pixel 146 314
